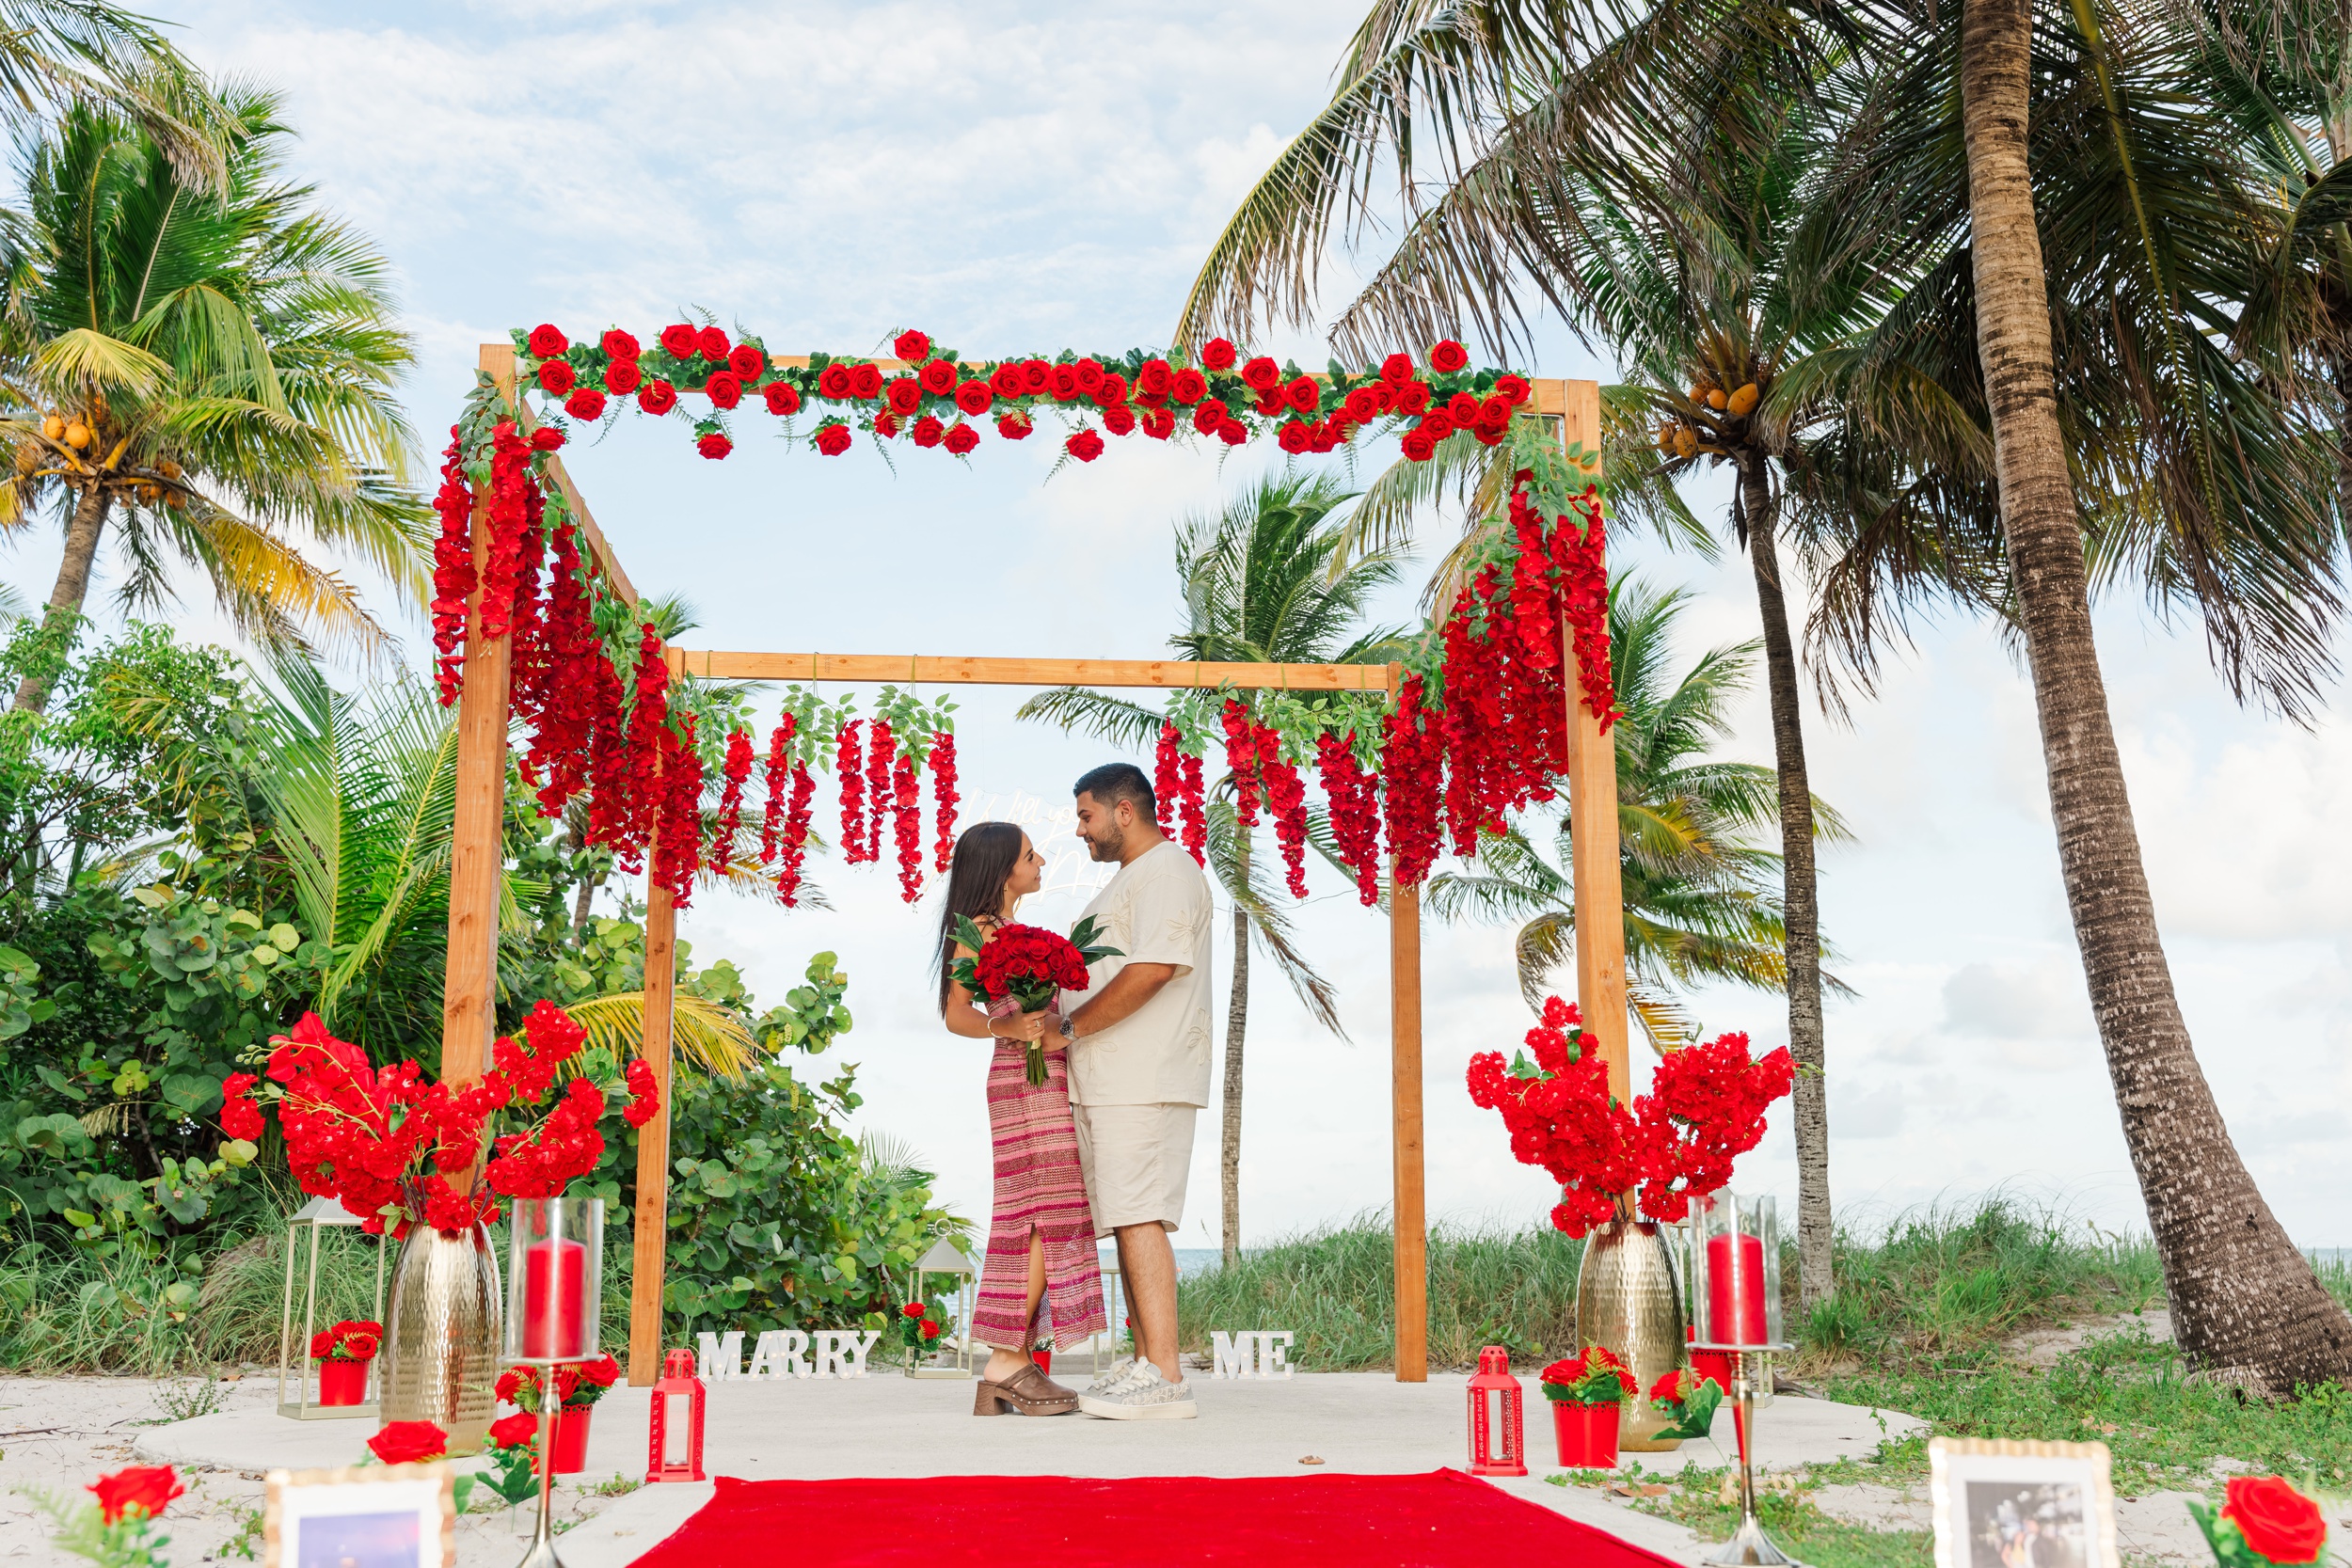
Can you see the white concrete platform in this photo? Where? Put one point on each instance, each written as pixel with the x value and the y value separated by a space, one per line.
pixel 889 1425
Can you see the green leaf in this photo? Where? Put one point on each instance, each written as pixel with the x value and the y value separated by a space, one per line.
pixel 1698 1418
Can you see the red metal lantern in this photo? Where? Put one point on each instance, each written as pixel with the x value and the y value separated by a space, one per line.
pixel 675 1426
pixel 1494 1377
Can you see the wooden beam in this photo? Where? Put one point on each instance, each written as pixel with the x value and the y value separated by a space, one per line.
pixel 649 1233
pixel 469 985
pixel 1598 876
pixel 1409 1210
pixel 910 668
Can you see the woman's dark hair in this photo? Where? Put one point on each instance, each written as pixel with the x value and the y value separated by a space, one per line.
pixel 985 857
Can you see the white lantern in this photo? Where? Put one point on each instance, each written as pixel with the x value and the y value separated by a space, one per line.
pixel 306 1404
pixel 945 1257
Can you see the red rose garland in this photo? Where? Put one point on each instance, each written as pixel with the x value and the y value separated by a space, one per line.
pixel 778 779
pixel 1195 813
pixel 1166 777
pixel 1286 799
pixel 678 839
pixel 944 797
pixel 881 748
pixel 736 769
pixel 846 762
pixel 1241 760
pixel 1412 755
pixel 453 569
pixel 1354 811
pixel 650 742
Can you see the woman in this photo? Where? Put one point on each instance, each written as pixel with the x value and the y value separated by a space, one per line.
pixel 1040 1277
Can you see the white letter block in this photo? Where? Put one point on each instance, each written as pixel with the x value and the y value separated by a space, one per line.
pixel 1270 1347
pixel 769 1355
pixel 720 1357
pixel 1235 1353
pixel 795 1343
pixel 859 1345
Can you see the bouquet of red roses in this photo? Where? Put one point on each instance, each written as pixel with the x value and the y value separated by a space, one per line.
pixel 1025 965
pixel 353 1339
pixel 578 1383
pixel 1595 1376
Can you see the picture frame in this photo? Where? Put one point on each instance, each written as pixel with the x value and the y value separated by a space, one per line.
pixel 361 1516
pixel 2016 1503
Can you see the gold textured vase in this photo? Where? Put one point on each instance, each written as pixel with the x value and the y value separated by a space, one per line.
pixel 1628 1298
pixel 442 1337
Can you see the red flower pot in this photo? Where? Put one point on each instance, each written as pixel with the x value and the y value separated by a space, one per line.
pixel 342 1381
pixel 1044 1359
pixel 1588 1434
pixel 571 1440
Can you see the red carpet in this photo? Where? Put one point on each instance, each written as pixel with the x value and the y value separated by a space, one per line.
pixel 1440 1520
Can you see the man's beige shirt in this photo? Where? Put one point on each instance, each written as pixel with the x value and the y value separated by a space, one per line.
pixel 1156 910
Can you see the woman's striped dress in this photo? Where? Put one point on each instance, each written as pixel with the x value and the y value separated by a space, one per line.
pixel 1039 1188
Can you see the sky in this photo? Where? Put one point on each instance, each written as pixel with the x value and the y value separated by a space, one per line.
pixel 1017 179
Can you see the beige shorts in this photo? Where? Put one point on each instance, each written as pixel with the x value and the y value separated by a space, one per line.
pixel 1135 1159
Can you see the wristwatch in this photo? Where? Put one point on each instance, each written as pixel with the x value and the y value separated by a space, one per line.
pixel 1069 1031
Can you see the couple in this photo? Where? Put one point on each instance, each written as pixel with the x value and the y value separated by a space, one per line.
pixel 1103 1147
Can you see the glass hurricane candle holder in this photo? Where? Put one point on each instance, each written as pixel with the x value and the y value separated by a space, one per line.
pixel 555 1263
pixel 1735 1274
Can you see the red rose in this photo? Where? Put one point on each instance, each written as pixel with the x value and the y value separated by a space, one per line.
pixel 556 376
pixel 1272 402
pixel 546 342
pixel 658 397
pixel 928 432
pixel 1085 446
pixel 833 382
pixel 603 1372
pixel 1112 390
pixel 745 360
pixel 1398 368
pixel 865 381
pixel 409 1442
pixel 939 377
pixel 1488 435
pixel 960 438
pixel 585 403
pixel 1154 378
pixel 679 340
pixel 911 1309
pixel 1412 397
pixel 783 398
pixel 973 398
pixel 545 438
pixel 1293 437
pixel 1158 423
pixel 1119 420
pixel 1448 357
pixel 322 1344
pixel 906 394
pixel 724 389
pixel 713 344
pixel 1087 373
pixel 1363 406
pixel 1437 425
pixel 1065 383
pixel 361 1346
pixel 1303 394
pixel 1261 374
pixel 913 347
pixel 509 1387
pixel 1418 447
pixel 1187 387
pixel 518 1431
pixel 1495 409
pixel 2279 1522
pixel 885 425
pixel 620 346
pixel 1463 409
pixel 1233 433
pixel 1013 427
pixel 931 1328
pixel 1035 376
pixel 714 446
pixel 143 1488
pixel 622 376
pixel 1515 388
pixel 1218 355
pixel 1322 436
pixel 832 440
pixel 1211 414
pixel 1007 381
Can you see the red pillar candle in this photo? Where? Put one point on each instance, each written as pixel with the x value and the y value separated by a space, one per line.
pixel 555 1284
pixel 1735 1292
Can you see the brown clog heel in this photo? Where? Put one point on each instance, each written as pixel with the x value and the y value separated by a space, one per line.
pixel 1029 1392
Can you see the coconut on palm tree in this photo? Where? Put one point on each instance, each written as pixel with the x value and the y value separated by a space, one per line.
pixel 1702 895
pixel 210 374
pixel 1266 579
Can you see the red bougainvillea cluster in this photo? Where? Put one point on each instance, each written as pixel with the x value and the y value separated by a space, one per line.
pixel 1706 1107
pixel 930 397
pixel 386 1142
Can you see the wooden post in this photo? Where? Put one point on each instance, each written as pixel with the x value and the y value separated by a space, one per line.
pixel 650 1233
pixel 1408 1211
pixel 476 861
pixel 1599 883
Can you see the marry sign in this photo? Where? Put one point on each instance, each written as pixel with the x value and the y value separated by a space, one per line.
pixel 1258 1352
pixel 782 1353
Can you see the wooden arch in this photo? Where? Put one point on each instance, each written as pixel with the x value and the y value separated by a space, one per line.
pixel 470 990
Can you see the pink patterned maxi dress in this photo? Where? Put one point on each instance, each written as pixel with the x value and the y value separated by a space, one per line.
pixel 1039 1189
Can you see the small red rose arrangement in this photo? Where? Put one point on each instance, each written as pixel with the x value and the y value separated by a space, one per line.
pixel 385 1141
pixel 1593 1376
pixel 1020 968
pixel 1687 1402
pixel 353 1339
pixel 1706 1105
pixel 578 1383
pixel 917 1328
pixel 2261 1520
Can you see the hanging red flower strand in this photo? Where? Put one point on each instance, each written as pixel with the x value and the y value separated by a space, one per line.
pixel 882 748
pixel 848 763
pixel 1167 776
pixel 778 779
pixel 737 768
pixel 906 792
pixel 944 797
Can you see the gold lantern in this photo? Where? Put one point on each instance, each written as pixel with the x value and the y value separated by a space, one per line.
pixel 313 1221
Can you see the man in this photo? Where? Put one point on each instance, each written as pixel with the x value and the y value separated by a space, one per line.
pixel 1138 1053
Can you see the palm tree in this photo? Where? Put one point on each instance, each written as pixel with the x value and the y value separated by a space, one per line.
pixel 1265 580
pixel 1701 898
pixel 60 52
pixel 215 369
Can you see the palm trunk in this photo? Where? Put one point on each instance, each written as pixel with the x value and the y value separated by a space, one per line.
pixel 1236 1023
pixel 2245 1304
pixel 1800 910
pixel 65 600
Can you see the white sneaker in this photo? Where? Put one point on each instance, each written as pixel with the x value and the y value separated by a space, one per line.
pixel 1144 1397
pixel 1116 1375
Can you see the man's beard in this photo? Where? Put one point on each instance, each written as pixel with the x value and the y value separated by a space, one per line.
pixel 1107 848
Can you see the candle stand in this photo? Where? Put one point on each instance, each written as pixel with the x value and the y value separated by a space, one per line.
pixel 1735 1294
pixel 555 1265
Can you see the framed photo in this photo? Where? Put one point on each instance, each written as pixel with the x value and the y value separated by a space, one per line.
pixel 364 1516
pixel 2005 1504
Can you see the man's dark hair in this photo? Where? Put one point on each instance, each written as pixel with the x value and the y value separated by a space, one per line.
pixel 1115 782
